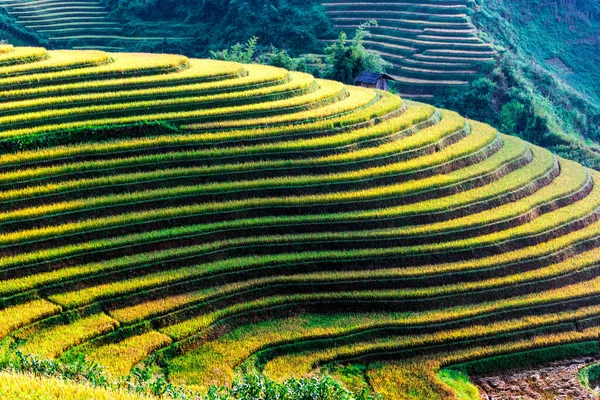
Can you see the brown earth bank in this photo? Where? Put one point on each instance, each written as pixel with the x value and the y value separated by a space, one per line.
pixel 557 381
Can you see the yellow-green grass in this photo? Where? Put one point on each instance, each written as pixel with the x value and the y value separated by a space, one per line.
pixel 409 379
pixel 512 150
pixel 85 296
pixel 17 386
pixel 123 65
pixel 58 60
pixel 22 55
pixel 120 357
pixel 476 142
pixel 329 91
pixel 413 115
pixel 215 361
pixel 460 383
pixel 257 75
pixel 127 104
pixel 52 341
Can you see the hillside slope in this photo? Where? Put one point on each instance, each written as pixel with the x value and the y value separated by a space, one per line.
pixel 433 45
pixel 77 24
pixel 213 217
pixel 545 86
pixel 563 37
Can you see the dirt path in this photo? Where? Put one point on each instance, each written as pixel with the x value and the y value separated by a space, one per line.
pixel 556 381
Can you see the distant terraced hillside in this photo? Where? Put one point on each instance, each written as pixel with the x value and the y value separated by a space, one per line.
pixel 432 44
pixel 278 223
pixel 79 24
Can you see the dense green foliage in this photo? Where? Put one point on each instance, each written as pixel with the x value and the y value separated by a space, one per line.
pixel 216 24
pixel 11 32
pixel 562 37
pixel 344 61
pixel 148 382
pixel 527 94
pixel 589 376
pixel 460 383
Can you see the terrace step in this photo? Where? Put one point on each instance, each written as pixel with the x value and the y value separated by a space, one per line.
pixel 430 44
pixel 74 23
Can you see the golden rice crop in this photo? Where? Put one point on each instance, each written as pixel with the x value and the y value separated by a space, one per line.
pixel 123 65
pixel 507 154
pixel 224 354
pixel 298 81
pixel 465 147
pixel 329 91
pixel 135 245
pixel 196 325
pixel 198 71
pixel 34 280
pixel 23 386
pixel 17 316
pixel 413 115
pixel 120 357
pixel 94 293
pixel 21 55
pixel 59 60
pixel 357 98
pixel 52 341
pixel 255 76
pixel 300 364
pixel 6 48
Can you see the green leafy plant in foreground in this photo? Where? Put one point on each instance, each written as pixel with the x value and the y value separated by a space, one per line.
pixel 146 382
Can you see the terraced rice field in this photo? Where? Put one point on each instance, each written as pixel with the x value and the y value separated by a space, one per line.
pixel 214 217
pixel 79 24
pixel 432 44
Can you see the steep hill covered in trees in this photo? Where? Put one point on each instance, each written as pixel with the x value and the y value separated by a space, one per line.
pixel 545 87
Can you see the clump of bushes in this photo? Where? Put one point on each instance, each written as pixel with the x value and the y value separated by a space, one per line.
pixel 344 60
pixel 149 382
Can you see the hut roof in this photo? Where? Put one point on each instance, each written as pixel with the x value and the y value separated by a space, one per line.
pixel 371 77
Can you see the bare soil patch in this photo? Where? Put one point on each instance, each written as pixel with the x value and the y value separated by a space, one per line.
pixel 557 381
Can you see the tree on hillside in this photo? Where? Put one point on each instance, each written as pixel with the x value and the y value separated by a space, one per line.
pixel 242 53
pixel 475 101
pixel 281 58
pixel 346 59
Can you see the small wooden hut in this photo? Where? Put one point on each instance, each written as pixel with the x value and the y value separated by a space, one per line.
pixel 374 80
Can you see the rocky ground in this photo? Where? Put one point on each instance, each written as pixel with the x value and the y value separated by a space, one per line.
pixel 556 381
